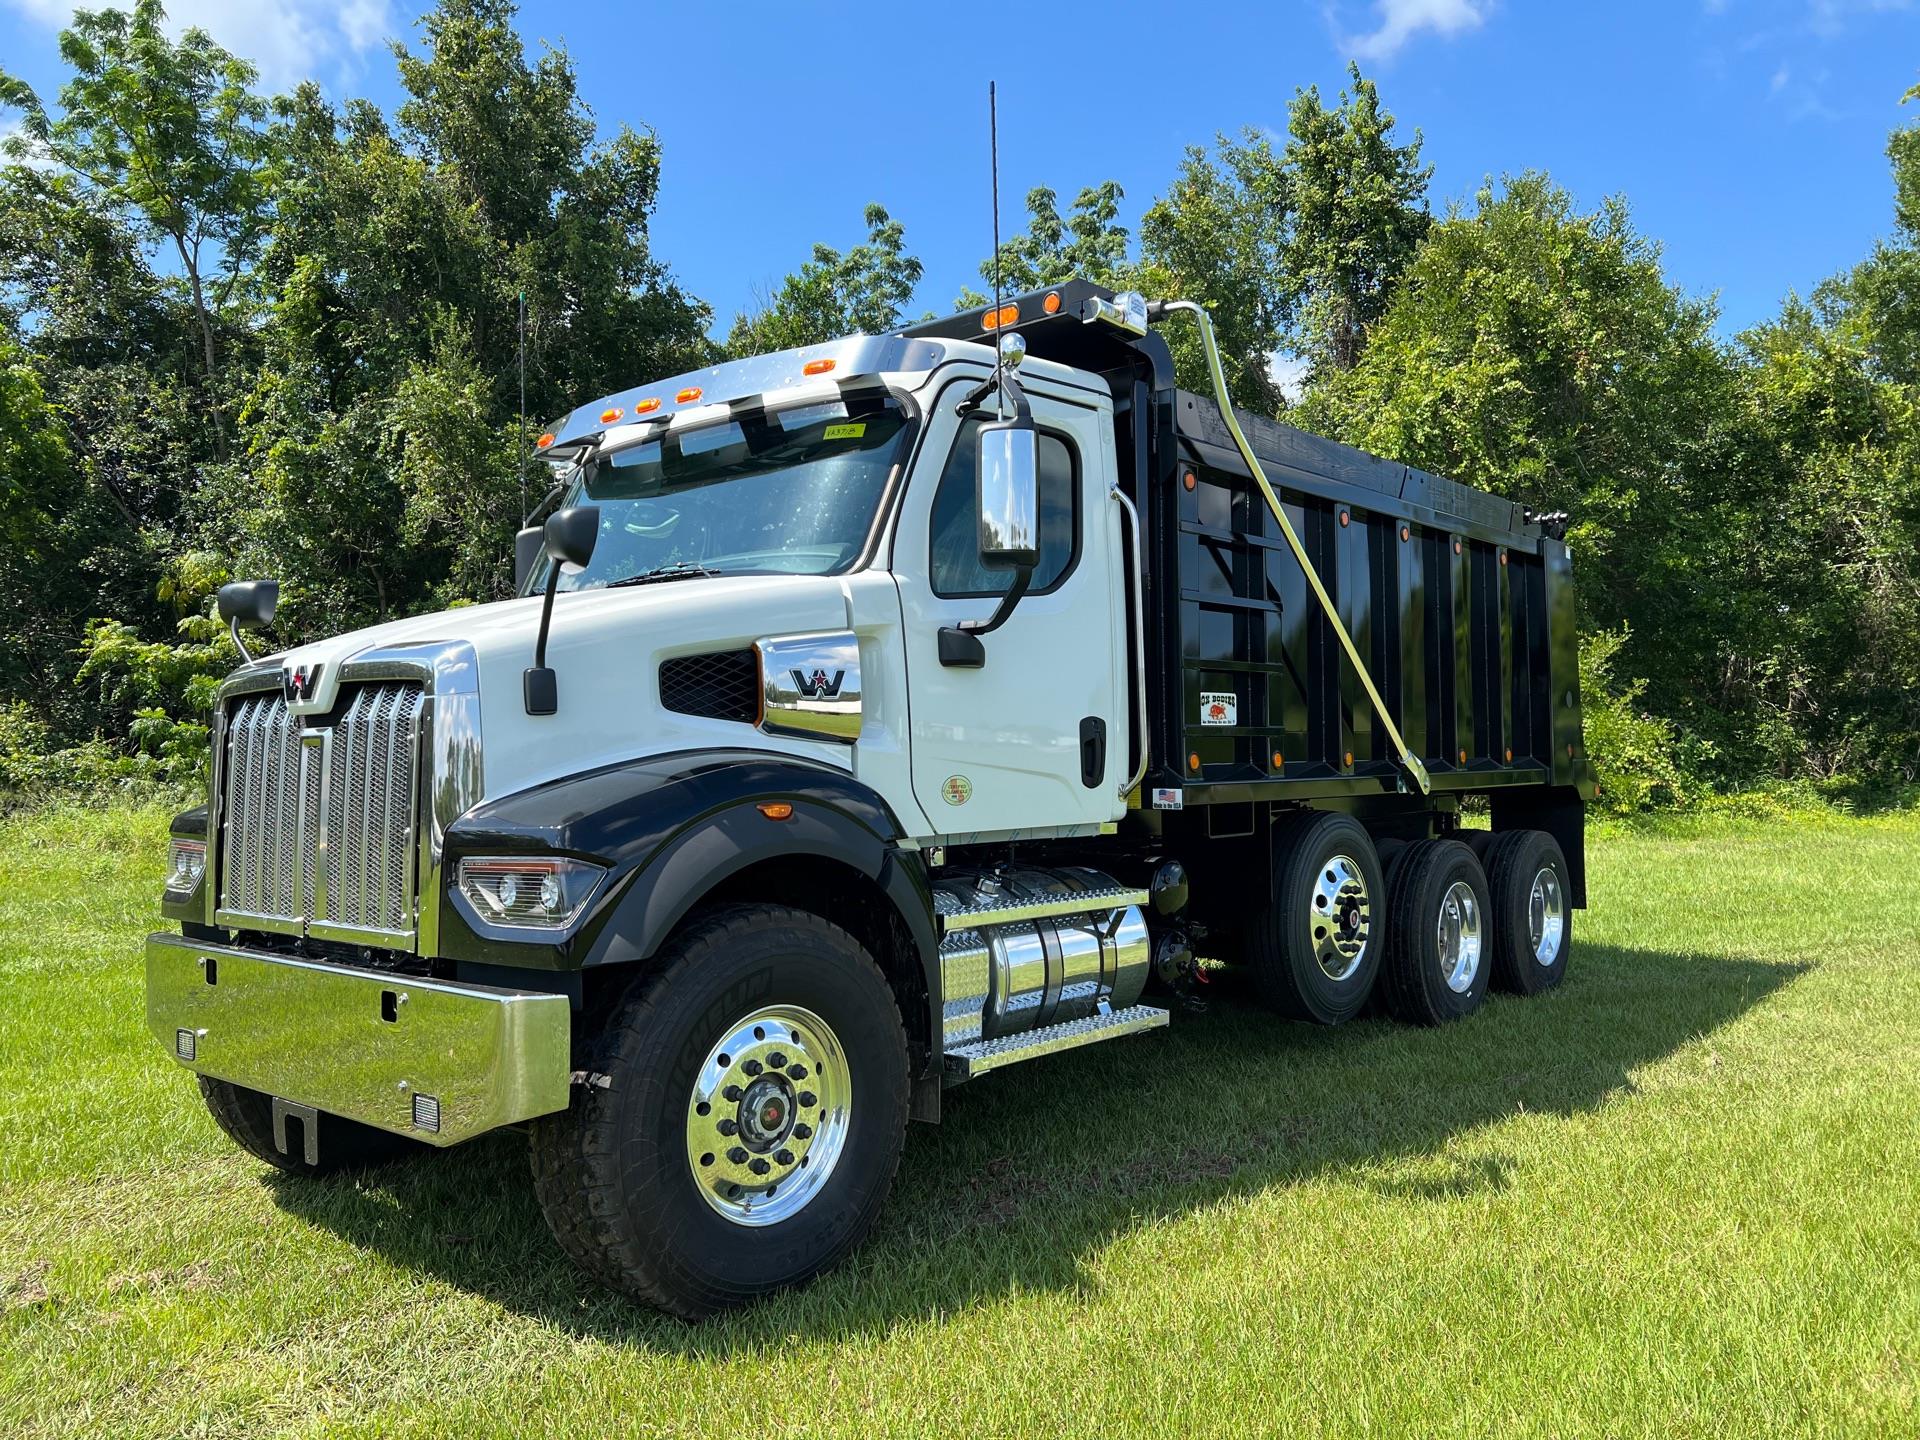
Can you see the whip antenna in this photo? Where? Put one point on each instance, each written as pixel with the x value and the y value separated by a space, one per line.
pixel 523 406
pixel 993 149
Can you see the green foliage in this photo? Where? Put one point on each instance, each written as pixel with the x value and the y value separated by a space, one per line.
pixel 1218 236
pixel 1359 213
pixel 1087 243
pixel 862 291
pixel 1634 751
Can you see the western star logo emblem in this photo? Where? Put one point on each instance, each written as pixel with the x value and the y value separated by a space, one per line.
pixel 297 684
pixel 817 686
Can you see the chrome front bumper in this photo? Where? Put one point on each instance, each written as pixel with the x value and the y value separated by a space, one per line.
pixel 438 1061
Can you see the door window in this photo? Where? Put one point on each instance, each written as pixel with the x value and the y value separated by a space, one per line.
pixel 955 565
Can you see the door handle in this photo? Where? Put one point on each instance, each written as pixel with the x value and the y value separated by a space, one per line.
pixel 1093 751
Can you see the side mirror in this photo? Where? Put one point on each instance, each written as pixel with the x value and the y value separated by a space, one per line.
pixel 247 605
pixel 1007 490
pixel 528 546
pixel 571 534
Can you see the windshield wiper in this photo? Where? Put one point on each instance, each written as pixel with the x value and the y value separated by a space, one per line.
pixel 678 570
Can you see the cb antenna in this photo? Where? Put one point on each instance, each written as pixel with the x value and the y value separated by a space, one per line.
pixel 993 150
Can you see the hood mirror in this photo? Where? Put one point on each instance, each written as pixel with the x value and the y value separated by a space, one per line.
pixel 247 605
pixel 567 539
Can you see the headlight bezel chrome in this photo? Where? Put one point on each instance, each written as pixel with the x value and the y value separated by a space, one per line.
pixel 186 864
pixel 527 895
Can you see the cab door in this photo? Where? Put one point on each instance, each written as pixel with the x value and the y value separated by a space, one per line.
pixel 1037 737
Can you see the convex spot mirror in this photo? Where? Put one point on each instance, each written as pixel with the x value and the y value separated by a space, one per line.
pixel 1007 492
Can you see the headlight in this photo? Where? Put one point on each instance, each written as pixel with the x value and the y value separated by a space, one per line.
pixel 532 893
pixel 186 860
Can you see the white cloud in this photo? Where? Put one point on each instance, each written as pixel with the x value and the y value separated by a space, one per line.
pixel 288 40
pixel 1780 79
pixel 1401 20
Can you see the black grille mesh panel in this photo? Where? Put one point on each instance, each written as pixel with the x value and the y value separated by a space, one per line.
pixel 722 685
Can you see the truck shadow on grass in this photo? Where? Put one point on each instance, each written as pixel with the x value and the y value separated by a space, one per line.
pixel 1037 1167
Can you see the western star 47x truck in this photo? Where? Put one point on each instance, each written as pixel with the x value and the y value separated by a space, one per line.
pixel 873 716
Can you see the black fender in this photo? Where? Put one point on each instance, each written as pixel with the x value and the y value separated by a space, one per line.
pixel 669 829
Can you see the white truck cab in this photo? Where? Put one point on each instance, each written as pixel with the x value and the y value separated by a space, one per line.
pixel 872 716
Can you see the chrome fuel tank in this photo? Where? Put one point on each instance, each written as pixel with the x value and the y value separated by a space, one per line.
pixel 1027 947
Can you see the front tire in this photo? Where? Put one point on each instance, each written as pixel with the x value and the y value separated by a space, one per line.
pixel 1316 946
pixel 752 1119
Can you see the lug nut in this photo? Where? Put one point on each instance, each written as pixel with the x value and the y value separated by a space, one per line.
pixel 777 1060
pixel 732 1092
pixel 799 1072
pixel 807 1097
pixel 803 1132
pixel 783 1157
pixel 759 1167
pixel 727 1127
pixel 737 1155
pixel 753 1067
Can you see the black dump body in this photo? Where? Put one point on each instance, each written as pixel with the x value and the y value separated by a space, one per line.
pixel 1462 608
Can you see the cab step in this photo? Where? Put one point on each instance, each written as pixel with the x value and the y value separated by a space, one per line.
pixel 1085 902
pixel 967 1061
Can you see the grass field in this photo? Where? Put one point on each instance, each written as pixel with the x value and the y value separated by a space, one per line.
pixel 1680 1196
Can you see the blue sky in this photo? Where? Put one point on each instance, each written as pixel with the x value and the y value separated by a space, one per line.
pixel 1748 134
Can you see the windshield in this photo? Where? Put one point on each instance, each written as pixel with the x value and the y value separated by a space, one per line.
pixel 790 492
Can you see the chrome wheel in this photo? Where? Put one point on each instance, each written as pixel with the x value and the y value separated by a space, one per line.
pixel 1546 915
pixel 1459 931
pixel 767 1120
pixel 1342 917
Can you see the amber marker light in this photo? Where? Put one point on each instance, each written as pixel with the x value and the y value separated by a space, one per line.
pixel 816 367
pixel 1463 757
pixel 1279 760
pixel 646 407
pixel 1405 533
pixel 1052 303
pixel 544 441
pixel 1345 518
pixel 999 319
pixel 775 809
pixel 1349 759
pixel 687 396
pixel 607 417
pixel 1189 481
pixel 1193 761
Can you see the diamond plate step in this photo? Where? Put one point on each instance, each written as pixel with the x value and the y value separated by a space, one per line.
pixel 1083 903
pixel 984 1055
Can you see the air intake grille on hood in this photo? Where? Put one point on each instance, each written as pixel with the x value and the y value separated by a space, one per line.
pixel 722 685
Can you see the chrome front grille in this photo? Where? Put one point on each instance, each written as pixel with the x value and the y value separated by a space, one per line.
pixel 318 826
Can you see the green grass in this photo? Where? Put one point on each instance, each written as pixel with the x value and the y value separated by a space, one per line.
pixel 1680 1196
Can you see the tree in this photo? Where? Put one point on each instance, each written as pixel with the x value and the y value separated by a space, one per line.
pixel 172 133
pixel 862 291
pixel 1218 236
pixel 382 428
pixel 1088 243
pixel 1359 213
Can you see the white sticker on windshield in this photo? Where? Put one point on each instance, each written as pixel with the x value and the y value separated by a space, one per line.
pixel 801 416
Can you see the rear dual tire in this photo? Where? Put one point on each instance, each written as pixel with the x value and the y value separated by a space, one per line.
pixel 1315 946
pixel 1438 959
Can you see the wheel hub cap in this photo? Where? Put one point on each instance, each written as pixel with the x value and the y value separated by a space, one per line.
pixel 1342 918
pixel 1546 916
pixel 767 1119
pixel 1459 935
